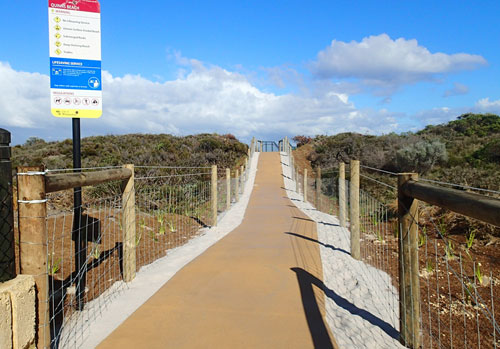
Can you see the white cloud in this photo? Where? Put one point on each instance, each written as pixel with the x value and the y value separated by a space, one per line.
pixel 205 99
pixel 22 97
pixel 386 63
pixel 487 106
pixel 457 90
pixel 444 114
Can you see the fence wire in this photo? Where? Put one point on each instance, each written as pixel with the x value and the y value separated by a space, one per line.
pixel 458 274
pixel 172 204
pixel 101 227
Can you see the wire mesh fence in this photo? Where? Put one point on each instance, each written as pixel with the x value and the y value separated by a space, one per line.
pixel 100 224
pixel 169 206
pixel 458 275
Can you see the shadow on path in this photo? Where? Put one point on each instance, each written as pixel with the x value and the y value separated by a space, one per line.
pixel 319 332
pixel 318 242
pixel 306 280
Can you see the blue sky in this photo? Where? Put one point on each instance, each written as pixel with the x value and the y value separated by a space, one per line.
pixel 263 68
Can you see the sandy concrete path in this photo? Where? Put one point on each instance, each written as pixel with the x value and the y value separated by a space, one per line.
pixel 255 288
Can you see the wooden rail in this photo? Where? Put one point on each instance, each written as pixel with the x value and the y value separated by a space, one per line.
pixel 63 181
pixel 484 208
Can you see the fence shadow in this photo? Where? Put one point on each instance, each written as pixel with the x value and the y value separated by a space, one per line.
pixel 58 290
pixel 308 279
pixel 318 242
pixel 319 332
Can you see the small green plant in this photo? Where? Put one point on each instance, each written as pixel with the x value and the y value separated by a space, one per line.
pixel 422 238
pixel 96 251
pixel 469 293
pixel 429 267
pixel 171 226
pixel 449 249
pixel 442 227
pixel 138 239
pixel 470 239
pixel 162 230
pixel 142 223
pixel 153 236
pixel 54 265
pixel 478 274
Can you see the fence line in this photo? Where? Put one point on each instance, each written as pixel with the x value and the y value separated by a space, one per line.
pixel 452 299
pixel 131 216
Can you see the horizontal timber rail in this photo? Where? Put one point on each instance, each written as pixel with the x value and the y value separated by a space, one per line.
pixel 57 182
pixel 477 206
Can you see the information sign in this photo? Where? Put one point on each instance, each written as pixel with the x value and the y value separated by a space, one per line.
pixel 75 58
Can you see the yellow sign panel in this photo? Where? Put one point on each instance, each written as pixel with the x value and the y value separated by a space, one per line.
pixel 76 113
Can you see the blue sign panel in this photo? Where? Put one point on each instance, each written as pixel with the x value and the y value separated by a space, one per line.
pixel 75 74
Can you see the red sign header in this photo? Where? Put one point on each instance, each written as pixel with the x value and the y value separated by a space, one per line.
pixel 76 5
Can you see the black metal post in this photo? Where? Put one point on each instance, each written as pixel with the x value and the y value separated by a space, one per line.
pixel 78 233
pixel 7 254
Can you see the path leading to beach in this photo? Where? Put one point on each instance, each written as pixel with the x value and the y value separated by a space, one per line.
pixel 256 288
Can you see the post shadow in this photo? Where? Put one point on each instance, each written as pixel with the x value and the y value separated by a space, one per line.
pixel 308 280
pixel 318 242
pixel 315 322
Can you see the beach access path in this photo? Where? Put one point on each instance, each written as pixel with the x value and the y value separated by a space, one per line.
pixel 255 288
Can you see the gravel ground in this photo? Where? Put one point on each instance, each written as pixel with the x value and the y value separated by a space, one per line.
pixel 361 303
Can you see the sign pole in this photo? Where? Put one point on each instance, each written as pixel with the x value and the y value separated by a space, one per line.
pixel 79 238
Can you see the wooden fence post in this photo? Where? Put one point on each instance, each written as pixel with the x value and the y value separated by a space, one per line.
pixel 128 223
pixel 228 189
pixel 32 206
pixel 214 195
pixel 354 206
pixel 261 145
pixel 318 188
pixel 7 252
pixel 297 179
pixel 305 185
pixel 409 285
pixel 342 198
pixel 242 177
pixel 237 186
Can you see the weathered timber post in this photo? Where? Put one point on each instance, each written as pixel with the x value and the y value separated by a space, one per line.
pixel 128 223
pixel 214 195
pixel 246 169
pixel 33 240
pixel 228 189
pixel 297 179
pixel 354 206
pixel 342 198
pixel 237 187
pixel 305 185
pixel 409 286
pixel 242 177
pixel 318 188
pixel 7 252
